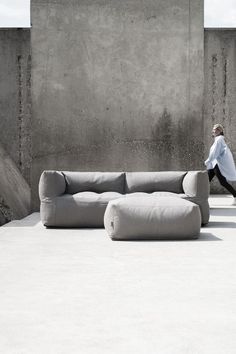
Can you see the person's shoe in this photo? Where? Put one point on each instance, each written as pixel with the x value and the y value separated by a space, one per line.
pixel 234 201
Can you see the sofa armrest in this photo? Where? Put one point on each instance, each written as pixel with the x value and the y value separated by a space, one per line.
pixel 51 185
pixel 196 184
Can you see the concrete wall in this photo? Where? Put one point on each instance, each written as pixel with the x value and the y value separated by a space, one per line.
pixel 15 113
pixel 15 193
pixel 15 123
pixel 116 85
pixel 220 88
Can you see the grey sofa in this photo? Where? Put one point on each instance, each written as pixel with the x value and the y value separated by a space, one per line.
pixel 79 199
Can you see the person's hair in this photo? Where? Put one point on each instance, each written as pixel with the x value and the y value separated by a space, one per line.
pixel 220 128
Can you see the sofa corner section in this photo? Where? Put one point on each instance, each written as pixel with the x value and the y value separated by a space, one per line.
pixel 51 185
pixel 196 189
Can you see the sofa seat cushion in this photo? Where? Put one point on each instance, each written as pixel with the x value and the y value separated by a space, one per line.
pixel 155 194
pixel 92 197
pixel 85 209
pixel 164 194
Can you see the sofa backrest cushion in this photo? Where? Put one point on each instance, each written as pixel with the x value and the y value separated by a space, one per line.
pixel 150 182
pixel 98 182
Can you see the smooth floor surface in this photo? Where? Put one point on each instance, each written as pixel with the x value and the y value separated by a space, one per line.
pixel 67 291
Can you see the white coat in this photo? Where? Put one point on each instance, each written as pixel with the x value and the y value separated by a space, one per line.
pixel 221 155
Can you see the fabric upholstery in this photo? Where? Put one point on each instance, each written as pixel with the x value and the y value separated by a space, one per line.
pixel 51 184
pixel 135 218
pixel 85 209
pixel 165 194
pixel 149 182
pixel 88 193
pixel 98 182
pixel 196 189
pixel 196 184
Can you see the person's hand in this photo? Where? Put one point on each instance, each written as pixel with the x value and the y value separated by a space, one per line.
pixel 208 164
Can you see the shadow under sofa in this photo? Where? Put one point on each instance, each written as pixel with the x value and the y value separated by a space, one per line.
pixel 79 199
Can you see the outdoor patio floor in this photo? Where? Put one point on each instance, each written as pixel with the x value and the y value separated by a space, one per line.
pixel 67 291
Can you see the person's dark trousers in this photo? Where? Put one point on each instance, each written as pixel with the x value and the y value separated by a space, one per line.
pixel 216 172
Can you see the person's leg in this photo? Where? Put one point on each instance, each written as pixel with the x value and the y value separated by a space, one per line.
pixel 224 182
pixel 211 174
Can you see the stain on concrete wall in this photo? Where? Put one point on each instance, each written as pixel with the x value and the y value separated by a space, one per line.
pixel 15 97
pixel 116 85
pixel 220 88
pixel 15 123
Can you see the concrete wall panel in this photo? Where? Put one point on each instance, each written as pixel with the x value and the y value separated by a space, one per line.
pixel 220 88
pixel 15 97
pixel 15 123
pixel 116 85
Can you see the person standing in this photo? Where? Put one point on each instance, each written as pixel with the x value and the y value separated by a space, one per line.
pixel 220 162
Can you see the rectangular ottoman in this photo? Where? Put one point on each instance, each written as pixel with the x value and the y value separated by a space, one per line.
pixel 142 217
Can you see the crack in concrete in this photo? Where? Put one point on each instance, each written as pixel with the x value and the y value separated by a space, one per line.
pixel 20 107
pixel 214 85
pixel 225 74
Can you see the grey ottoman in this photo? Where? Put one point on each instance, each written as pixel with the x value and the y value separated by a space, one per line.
pixel 155 218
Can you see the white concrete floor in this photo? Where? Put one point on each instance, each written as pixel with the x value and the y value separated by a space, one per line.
pixel 76 291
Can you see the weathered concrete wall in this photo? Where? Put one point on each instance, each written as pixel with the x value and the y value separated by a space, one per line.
pixel 116 85
pixel 15 92
pixel 220 89
pixel 15 123
pixel 15 200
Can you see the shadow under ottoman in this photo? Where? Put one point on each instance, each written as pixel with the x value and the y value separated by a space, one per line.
pixel 147 217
